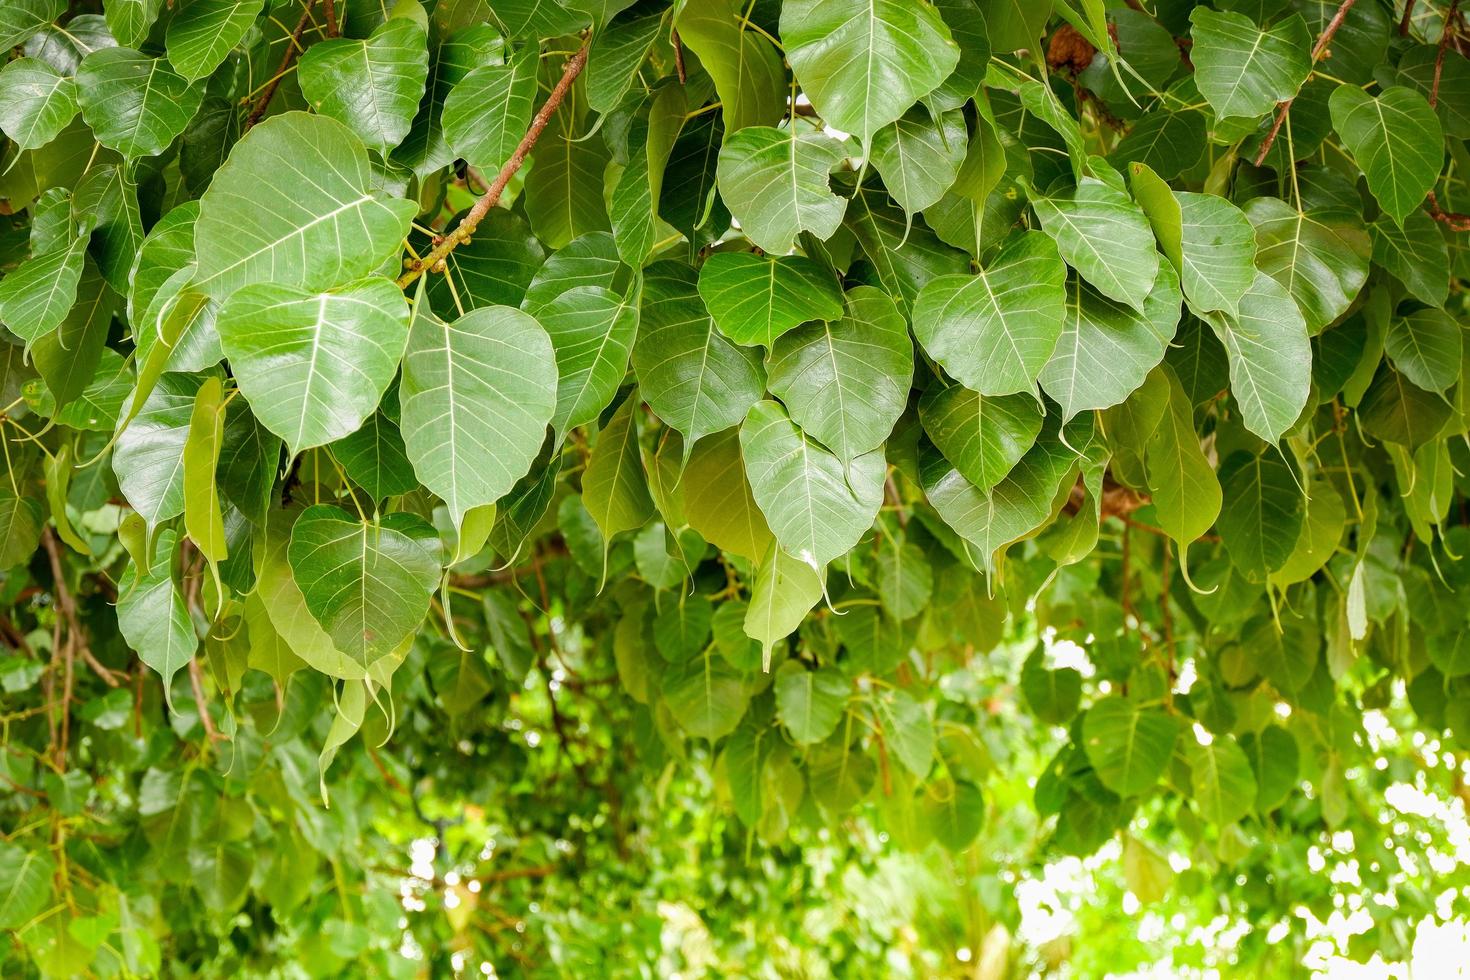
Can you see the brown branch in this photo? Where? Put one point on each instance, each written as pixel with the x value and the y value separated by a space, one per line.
pixel 1405 20
pixel 1319 50
pixel 330 10
pixel 678 55
pixel 466 228
pixel 1450 20
pixel 197 684
pixel 293 46
pixel 1454 220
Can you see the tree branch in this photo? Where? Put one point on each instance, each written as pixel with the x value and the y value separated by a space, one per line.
pixel 293 45
pixel 466 228
pixel 1318 51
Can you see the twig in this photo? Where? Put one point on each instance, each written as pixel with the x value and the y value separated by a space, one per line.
pixel 293 45
pixel 330 10
pixel 1408 16
pixel 197 684
pixel 466 228
pixel 678 55
pixel 1450 19
pixel 1318 50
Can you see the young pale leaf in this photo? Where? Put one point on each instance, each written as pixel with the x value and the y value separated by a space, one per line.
pixel 864 62
pixel 817 507
pixel 1221 780
pixel 1186 493
pixel 36 102
pixel 373 86
pixel 1270 357
pixel 332 228
pixel 487 113
pixel 1242 70
pixel 776 185
pixel 847 382
pixel 691 376
pixel 785 590
pixel 754 299
pixel 614 487
pixel 1395 138
pixel 476 395
pixel 1105 237
pixel 810 702
pixel 203 518
pixel 368 585
pixel 996 330
pixel 717 498
pixel 135 104
pixel 314 365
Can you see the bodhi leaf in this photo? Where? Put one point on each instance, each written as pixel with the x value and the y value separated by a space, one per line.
pixel 152 616
pixel 136 105
pixel 1242 70
pixel 373 86
pixel 592 330
pixel 476 397
pixel 984 436
pixel 203 33
pixel 36 102
pixel 690 375
pixel 784 591
pixel 1105 237
pixel 36 296
pixel 19 19
pixel 864 62
pixel 723 510
pixel 367 584
pixel 1319 255
pixel 332 229
pixel 996 330
pixel 1262 513
pixel 1129 745
pixel 919 156
pixel 1270 357
pixel 755 299
pixel 746 69
pixel 847 382
pixel 314 365
pixel 1221 780
pixel 1395 138
pixel 614 488
pixel 149 459
pixel 810 702
pixel 1427 348
pixel 1210 241
pixel 775 183
pixel 1186 493
pixel 1107 349
pixel 817 508
pixel 616 55
pixel 486 114
pixel 1415 254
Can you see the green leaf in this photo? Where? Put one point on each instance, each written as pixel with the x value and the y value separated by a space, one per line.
pixel 203 518
pixel 21 522
pixel 1106 348
pixel 314 365
pixel 564 190
pixel 1242 70
pixel 1015 24
pixel 903 251
pixel 754 299
pixel 1275 762
pixel 36 102
pixel 864 62
pixel 204 32
pixel 1210 241
pixel 1186 493
pixel 367 584
pixel 706 697
pixel 955 814
pixel 1270 357
pixel 919 156
pixel 36 296
pixel 130 20
pixel 775 183
pixel 477 395
pixel 1128 745
pixel 1415 254
pixel 19 19
pixel 149 458
pixel 1426 347
pixel 494 268
pixel 68 358
pixel 1320 255
pixel 1168 143
pixel 373 86
pixel 331 229
pixel 135 104
pixel 591 260
pixel 375 459
pixel 721 507
pixel 25 884
pixel 817 507
pixel 1221 780
pixel 592 331
pixel 168 247
pixel 1396 410
pixel 785 590
pixel 746 69
pixel 486 114
pixel 846 383
pixel 1262 513
pixel 907 728
pixel 995 331
pixel 633 206
pixel 617 54
pixel 983 436
pixel 904 579
pixel 690 375
pixel 810 702
pixel 152 616
pixel 1395 138
pixel 1105 237
pixel 614 487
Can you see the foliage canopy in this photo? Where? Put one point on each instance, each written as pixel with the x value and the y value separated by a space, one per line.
pixel 868 442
